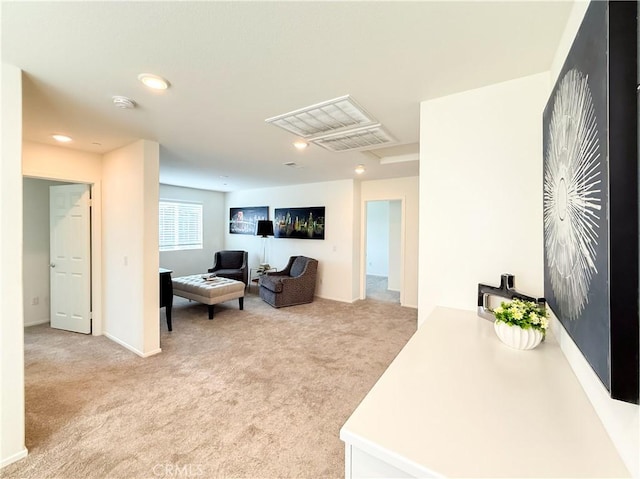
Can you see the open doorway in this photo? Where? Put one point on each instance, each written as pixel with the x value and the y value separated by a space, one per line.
pixel 383 261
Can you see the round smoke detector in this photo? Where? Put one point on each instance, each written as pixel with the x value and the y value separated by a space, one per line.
pixel 123 102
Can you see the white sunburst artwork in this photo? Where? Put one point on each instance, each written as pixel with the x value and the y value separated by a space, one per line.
pixel 572 194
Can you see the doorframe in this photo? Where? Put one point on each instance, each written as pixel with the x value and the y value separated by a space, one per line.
pixel 96 246
pixel 363 244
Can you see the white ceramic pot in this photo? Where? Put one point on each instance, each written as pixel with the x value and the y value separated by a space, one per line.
pixel 516 337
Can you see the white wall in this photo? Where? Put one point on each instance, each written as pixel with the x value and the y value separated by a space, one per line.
pixel 394 281
pixel 35 268
pixel 335 254
pixel 622 420
pixel 130 247
pixel 214 226
pixel 481 192
pixel 12 443
pixel 59 163
pixel 481 164
pixel 378 238
pixel 64 164
pixel 406 190
pixel 357 277
pixel 150 157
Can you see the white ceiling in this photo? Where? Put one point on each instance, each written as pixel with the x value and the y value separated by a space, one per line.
pixel 233 64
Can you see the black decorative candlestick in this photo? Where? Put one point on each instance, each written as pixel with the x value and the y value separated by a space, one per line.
pixel 505 290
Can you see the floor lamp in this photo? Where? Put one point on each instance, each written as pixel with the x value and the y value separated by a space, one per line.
pixel 264 229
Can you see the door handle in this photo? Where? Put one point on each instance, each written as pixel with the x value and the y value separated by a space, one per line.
pixel 52 265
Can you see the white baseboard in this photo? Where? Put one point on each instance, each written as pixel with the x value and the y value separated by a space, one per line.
pixel 131 348
pixel 36 322
pixel 342 300
pixel 152 353
pixel 13 458
pixel 412 306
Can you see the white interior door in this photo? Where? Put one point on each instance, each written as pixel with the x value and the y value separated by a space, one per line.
pixel 70 257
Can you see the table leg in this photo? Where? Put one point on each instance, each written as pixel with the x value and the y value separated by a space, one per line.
pixel 167 310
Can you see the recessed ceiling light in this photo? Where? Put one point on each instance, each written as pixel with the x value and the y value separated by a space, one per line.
pixel 300 145
pixel 359 169
pixel 61 138
pixel 153 81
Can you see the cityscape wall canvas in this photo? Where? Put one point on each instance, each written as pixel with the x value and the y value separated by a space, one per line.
pixel 244 221
pixel 302 223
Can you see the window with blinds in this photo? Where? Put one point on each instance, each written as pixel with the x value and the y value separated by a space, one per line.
pixel 180 226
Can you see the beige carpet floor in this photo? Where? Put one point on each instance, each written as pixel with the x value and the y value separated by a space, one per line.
pixel 259 393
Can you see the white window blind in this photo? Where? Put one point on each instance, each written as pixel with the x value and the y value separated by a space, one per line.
pixel 180 226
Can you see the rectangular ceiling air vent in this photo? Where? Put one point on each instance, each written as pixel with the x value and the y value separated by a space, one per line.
pixel 329 116
pixel 355 139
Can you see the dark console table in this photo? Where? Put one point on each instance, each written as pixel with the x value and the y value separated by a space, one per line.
pixel 166 294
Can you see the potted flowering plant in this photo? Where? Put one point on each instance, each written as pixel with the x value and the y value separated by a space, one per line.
pixel 521 324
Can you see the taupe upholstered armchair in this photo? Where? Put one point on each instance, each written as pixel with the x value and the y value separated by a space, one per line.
pixel 296 284
pixel 231 264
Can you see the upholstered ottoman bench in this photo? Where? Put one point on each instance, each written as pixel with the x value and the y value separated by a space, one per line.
pixel 209 292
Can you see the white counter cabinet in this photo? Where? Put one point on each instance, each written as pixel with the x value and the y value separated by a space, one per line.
pixel 456 402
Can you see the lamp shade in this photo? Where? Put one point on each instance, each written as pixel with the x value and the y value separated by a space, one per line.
pixel 265 228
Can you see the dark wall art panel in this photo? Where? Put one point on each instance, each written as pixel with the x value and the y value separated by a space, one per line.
pixel 303 223
pixel 590 200
pixel 244 221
